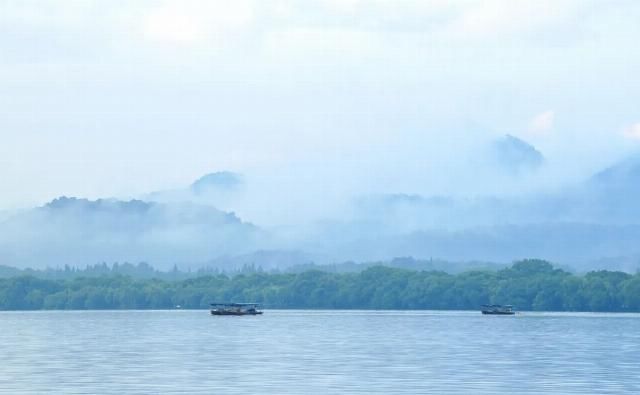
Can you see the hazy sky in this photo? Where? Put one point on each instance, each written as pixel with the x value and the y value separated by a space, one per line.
pixel 116 98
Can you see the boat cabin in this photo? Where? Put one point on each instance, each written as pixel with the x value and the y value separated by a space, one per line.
pixel 497 309
pixel 235 309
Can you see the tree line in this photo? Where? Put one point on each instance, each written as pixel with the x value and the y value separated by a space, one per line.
pixel 141 270
pixel 528 285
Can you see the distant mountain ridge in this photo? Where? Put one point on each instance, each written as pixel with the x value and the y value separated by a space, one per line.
pixel 592 221
pixel 597 220
pixel 99 205
pixel 218 189
pixel 623 175
pixel 80 231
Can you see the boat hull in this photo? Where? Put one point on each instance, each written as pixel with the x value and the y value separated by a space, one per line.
pixel 498 312
pixel 213 312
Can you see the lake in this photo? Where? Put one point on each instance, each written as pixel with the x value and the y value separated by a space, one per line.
pixel 318 352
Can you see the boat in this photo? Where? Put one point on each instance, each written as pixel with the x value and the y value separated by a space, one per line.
pixel 497 309
pixel 235 309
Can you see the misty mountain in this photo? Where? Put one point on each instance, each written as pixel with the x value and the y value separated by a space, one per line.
pixel 608 197
pixel 619 177
pixel 613 195
pixel 596 220
pixel 80 231
pixel 514 155
pixel 218 189
pixel 216 182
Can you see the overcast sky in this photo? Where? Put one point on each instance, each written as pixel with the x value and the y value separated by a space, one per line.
pixel 117 98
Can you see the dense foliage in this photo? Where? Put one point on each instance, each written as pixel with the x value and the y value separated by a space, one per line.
pixel 529 285
pixel 141 270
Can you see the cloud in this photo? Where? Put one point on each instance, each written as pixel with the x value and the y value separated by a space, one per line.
pixel 542 124
pixel 301 43
pixel 480 20
pixel 633 131
pixel 170 25
pixel 342 6
pixel 189 22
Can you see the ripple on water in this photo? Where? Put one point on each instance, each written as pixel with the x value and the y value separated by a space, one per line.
pixel 318 352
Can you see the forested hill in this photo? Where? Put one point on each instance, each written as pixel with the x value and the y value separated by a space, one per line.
pixel 529 285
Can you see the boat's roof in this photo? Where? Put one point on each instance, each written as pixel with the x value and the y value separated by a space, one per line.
pixel 235 304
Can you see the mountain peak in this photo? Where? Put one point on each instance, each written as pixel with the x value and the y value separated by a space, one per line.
pixel 622 175
pixel 222 180
pixel 516 155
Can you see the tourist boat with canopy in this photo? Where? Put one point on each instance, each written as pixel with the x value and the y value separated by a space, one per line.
pixel 235 309
pixel 497 309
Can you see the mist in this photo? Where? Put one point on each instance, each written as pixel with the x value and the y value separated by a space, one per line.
pixel 325 131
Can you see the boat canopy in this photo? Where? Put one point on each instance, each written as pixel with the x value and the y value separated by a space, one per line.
pixel 497 305
pixel 235 304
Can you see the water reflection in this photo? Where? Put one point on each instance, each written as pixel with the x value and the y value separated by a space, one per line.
pixel 317 352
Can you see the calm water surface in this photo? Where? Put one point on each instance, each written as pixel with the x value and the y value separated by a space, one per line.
pixel 318 352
